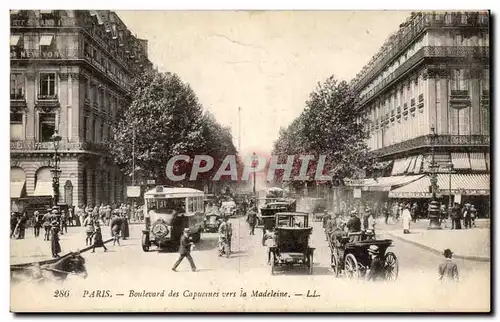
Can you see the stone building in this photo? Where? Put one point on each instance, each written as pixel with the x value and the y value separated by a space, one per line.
pixel 71 71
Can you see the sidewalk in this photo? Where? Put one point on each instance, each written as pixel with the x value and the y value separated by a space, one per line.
pixel 470 244
pixel 31 249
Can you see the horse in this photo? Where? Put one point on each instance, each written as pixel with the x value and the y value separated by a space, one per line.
pixel 56 270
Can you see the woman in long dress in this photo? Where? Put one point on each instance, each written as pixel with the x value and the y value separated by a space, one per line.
pixel 125 228
pixel 54 239
pixel 406 216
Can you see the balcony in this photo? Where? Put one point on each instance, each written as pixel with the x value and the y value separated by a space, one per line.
pixel 440 141
pixel 425 52
pixel 31 145
pixel 399 41
pixel 459 99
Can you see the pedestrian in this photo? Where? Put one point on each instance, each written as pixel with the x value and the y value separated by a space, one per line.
pixel 186 245
pixel 406 216
pixel 466 216
pixel 116 225
pixel 370 229
pixel 37 223
pixel 354 227
pixel 64 222
pixel 473 215
pixel 46 225
pixel 252 220
pixel 413 212
pixel 54 239
pixel 455 217
pixel 376 270
pixel 448 270
pixel 125 227
pixel 21 225
pixel 88 223
pixel 98 242
pixel 385 210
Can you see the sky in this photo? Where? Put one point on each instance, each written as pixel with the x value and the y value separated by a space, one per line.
pixel 266 62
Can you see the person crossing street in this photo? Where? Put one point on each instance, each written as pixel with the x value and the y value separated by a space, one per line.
pixel 185 247
pixel 252 220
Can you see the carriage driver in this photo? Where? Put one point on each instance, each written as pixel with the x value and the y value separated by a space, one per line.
pixel 376 270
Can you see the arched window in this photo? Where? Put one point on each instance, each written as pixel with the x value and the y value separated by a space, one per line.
pixel 68 193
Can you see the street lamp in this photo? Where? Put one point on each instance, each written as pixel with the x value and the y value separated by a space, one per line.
pixel 56 172
pixel 254 165
pixel 434 222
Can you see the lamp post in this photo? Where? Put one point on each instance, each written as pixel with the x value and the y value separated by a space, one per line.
pixel 434 222
pixel 254 165
pixel 56 172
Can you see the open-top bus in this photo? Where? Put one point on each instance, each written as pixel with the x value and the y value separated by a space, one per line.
pixel 168 211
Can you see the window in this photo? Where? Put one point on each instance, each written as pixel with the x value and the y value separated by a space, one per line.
pixel 459 81
pixel 485 80
pixel 47 126
pixel 87 50
pixel 101 134
pixel 47 85
pixel 16 126
pixel 93 93
pixel 85 128
pixel 87 88
pixel 101 98
pixel 93 135
pixel 30 42
pixel 16 86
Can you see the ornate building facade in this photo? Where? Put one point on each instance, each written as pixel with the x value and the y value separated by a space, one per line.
pixel 429 88
pixel 71 72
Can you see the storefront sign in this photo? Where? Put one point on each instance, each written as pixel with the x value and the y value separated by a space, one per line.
pixel 35 53
pixel 133 191
pixel 151 182
pixel 357 193
pixel 457 199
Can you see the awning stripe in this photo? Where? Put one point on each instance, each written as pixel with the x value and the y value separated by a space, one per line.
pixel 460 160
pixel 16 189
pixel 46 40
pixel 43 188
pixel 386 183
pixel 477 161
pixel 464 184
pixel 14 40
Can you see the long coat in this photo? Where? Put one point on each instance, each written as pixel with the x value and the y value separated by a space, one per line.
pixel 98 237
pixel 124 228
pixel 406 216
pixel 54 240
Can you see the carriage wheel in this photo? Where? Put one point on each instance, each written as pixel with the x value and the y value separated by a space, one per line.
pixel 351 267
pixel 391 267
pixel 273 264
pixel 335 264
pixel 145 242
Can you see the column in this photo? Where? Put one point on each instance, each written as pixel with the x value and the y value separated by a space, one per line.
pixel 475 109
pixel 90 199
pixel 430 111
pixel 111 187
pixel 30 102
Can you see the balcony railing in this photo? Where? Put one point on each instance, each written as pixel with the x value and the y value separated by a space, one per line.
pixel 439 140
pixel 48 97
pixel 400 41
pixel 24 19
pixel 31 145
pixel 428 51
pixel 17 96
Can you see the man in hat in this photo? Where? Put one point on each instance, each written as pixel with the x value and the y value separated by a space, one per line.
pixel 98 242
pixel 455 217
pixel 466 216
pixel 186 244
pixel 54 239
pixel 252 219
pixel 376 270
pixel 354 227
pixel 37 223
pixel 448 270
pixel 473 215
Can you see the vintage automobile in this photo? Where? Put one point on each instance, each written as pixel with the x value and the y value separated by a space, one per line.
pixel 168 211
pixel 291 241
pixel 266 217
pixel 228 208
pixel 352 257
pixel 212 221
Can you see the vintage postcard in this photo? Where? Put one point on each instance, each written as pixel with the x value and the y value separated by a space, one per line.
pixel 250 161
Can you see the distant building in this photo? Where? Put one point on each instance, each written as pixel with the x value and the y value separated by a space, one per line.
pixel 432 73
pixel 71 71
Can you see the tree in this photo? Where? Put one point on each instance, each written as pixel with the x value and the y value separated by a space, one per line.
pixel 164 119
pixel 330 125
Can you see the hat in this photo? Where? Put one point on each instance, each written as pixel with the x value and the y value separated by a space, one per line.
pixel 36 212
pixel 447 252
pixel 373 249
pixel 186 230
pixel 54 223
pixel 55 211
pixel 353 212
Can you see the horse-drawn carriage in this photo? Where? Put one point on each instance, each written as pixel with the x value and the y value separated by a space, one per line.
pixel 291 241
pixel 352 255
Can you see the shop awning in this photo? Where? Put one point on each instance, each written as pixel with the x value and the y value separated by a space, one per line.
pixel 14 39
pixel 46 11
pixel 387 183
pixel 400 166
pixel 461 184
pixel 16 189
pixel 46 40
pixel 460 160
pixel 411 165
pixel 418 164
pixel 477 161
pixel 43 188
